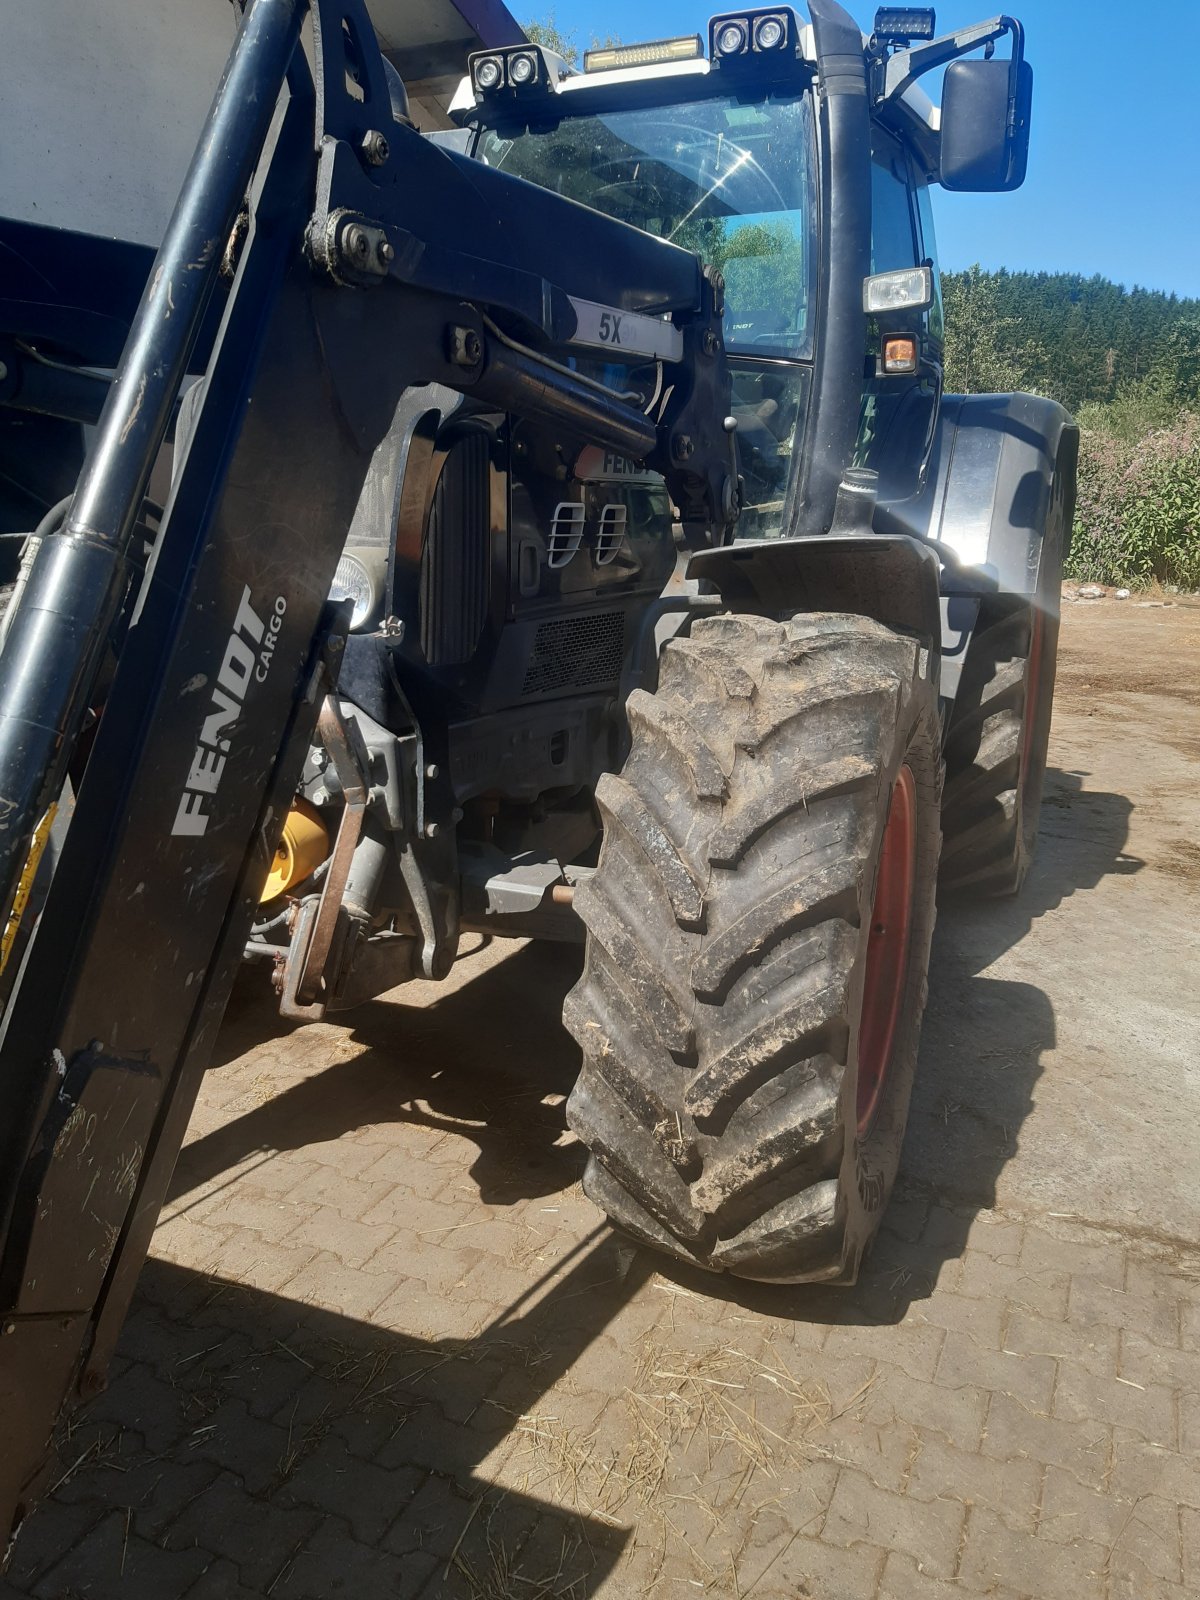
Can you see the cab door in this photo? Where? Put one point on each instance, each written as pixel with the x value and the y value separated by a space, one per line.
pixel 899 410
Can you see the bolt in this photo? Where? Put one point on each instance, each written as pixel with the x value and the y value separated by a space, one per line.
pixel 375 148
pixel 320 797
pixel 682 446
pixel 355 242
pixel 730 424
pixel 387 252
pixel 432 770
pixel 432 830
pixel 466 347
pixel 10 1327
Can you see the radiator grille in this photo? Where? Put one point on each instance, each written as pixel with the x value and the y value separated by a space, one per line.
pixel 576 653
pixel 454 561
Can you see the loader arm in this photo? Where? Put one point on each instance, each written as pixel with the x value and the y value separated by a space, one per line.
pixel 368 261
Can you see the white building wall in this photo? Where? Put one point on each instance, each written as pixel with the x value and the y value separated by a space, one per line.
pixel 101 104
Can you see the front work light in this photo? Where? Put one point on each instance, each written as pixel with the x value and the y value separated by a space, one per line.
pixel 753 36
pixel 901 24
pixel 690 47
pixel 522 69
pixel 488 73
pixel 731 38
pixel 770 33
pixel 518 68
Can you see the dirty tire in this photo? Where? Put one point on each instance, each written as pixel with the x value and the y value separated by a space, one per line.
pixel 1000 730
pixel 728 927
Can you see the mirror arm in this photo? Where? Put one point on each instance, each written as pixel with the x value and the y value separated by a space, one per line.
pixel 906 66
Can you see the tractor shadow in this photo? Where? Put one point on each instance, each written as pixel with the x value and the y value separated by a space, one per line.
pixel 249 1444
pixel 488 1061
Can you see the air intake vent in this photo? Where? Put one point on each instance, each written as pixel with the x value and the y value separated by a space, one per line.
pixel 454 561
pixel 576 653
pixel 610 533
pixel 566 533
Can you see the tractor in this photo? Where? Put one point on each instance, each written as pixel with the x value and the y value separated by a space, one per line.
pixel 554 526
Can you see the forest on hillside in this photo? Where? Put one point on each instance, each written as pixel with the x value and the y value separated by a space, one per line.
pixel 1127 364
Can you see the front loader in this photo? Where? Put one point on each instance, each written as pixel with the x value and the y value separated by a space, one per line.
pixel 441 624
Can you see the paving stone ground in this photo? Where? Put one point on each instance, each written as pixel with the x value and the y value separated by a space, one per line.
pixel 383 1346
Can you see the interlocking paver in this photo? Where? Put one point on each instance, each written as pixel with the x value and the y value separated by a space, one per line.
pixel 114 1559
pixel 860 1512
pixel 956 1413
pixel 903 1579
pixel 1145 1408
pixel 1015 1432
pixel 1155 1316
pixel 1142 1528
pixel 913 1349
pixel 994 1556
pixel 1009 1488
pixel 1093 1348
pixel 1098 1261
pixel 258 1534
pixel 982 1321
pixel 964 1362
pixel 803 1567
pixel 1038 1289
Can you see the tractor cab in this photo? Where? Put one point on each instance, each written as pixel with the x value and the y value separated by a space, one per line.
pixel 726 147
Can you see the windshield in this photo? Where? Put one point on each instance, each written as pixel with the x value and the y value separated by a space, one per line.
pixel 731 181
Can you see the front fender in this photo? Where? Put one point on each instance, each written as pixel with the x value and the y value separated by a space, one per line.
pixel 890 577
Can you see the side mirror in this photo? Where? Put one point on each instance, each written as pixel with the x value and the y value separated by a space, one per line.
pixel 985 123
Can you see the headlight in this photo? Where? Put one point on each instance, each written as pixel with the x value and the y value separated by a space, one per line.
pixel 359 578
pixel 522 69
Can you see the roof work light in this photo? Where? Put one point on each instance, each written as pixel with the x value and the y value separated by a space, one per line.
pixel 520 68
pixel 901 24
pixel 610 58
pixel 752 38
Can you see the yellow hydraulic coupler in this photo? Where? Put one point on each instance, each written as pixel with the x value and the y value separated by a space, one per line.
pixel 303 847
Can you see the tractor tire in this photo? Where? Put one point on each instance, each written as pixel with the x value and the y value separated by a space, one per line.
pixel 1000 730
pixel 758 933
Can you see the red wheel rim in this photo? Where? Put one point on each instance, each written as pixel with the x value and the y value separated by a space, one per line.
pixel 887 949
pixel 1033 675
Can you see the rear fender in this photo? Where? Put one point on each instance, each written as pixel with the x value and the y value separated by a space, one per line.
pixel 988 489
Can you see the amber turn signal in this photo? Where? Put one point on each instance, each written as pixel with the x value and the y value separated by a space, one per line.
pixel 899 354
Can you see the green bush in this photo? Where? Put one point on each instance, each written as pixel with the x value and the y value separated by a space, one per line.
pixel 1137 520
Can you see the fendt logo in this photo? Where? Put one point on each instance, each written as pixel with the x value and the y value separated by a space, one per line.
pixel 248 656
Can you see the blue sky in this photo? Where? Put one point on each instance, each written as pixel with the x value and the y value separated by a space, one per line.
pixel 1114 169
